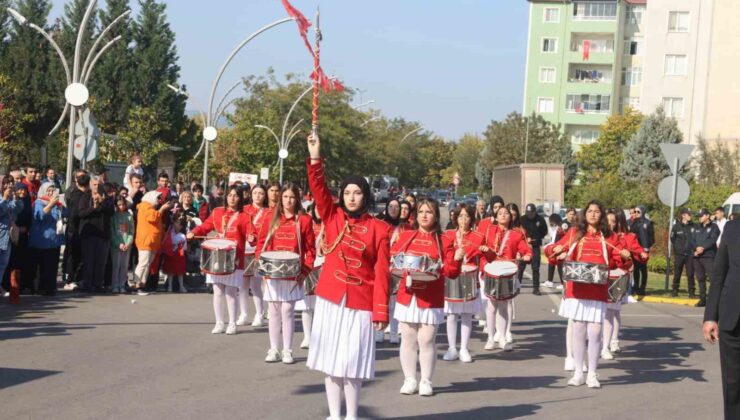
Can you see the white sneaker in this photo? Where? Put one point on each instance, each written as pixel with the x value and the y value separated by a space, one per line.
pixel 614 347
pixel 257 321
pixel 506 346
pixel 606 354
pixel 305 342
pixel 490 344
pixel 631 299
pixel 559 287
pixel 482 323
pixel 496 337
pixel 509 338
pixel 410 386
pixel 220 328
pixel 288 357
pixel 242 320
pixel 142 293
pixel 548 284
pixel 577 380
pixel 425 388
pixel 379 336
pixel 273 355
pixel 569 364
pixel 592 381
pixel 231 330
pixel 395 338
pixel 465 356
pixel 70 286
pixel 450 355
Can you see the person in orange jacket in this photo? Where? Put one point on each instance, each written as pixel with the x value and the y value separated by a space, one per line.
pixel 149 230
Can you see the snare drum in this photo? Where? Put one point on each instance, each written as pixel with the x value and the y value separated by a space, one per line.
pixel 279 265
pixel 465 287
pixel 310 282
pixel 249 262
pixel 499 280
pixel 419 267
pixel 619 282
pixel 582 272
pixel 218 256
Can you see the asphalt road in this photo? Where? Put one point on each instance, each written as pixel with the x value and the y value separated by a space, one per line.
pixel 89 357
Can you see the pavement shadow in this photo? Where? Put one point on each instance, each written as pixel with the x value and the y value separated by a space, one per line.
pixel 492 412
pixel 11 377
pixel 500 382
pixel 37 307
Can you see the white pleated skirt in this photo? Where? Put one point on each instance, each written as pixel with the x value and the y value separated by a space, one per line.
pixel 282 290
pixel 583 310
pixel 458 308
pixel 413 314
pixel 342 342
pixel 235 279
pixel 308 303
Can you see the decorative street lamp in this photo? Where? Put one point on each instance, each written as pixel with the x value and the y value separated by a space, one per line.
pixel 410 133
pixel 76 93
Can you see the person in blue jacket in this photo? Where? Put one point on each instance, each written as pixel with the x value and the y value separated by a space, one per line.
pixel 47 235
pixel 7 209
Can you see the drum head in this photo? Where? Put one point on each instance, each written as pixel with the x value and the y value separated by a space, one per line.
pixel 501 268
pixel 280 255
pixel 469 268
pixel 617 273
pixel 218 244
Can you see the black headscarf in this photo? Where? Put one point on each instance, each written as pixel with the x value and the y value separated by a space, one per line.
pixel 25 215
pixel 387 217
pixel 367 197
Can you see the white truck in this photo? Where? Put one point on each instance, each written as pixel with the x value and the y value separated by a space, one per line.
pixel 537 183
pixel 732 204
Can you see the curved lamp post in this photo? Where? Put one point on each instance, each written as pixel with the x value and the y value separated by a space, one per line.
pixel 76 93
pixel 410 133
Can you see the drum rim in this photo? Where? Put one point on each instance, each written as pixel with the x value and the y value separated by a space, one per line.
pixel 228 244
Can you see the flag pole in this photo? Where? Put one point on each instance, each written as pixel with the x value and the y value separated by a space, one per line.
pixel 316 81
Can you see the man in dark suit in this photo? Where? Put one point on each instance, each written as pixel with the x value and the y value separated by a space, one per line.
pixel 722 314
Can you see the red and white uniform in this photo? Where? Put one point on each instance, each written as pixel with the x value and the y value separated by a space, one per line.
pixel 233 225
pixel 504 245
pixel 471 242
pixel 258 215
pixel 286 238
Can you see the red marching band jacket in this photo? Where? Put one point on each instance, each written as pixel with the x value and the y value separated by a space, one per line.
pixel 503 244
pixel 285 238
pixel 629 241
pixel 589 249
pixel 356 251
pixel 429 294
pixel 229 224
pixel 471 242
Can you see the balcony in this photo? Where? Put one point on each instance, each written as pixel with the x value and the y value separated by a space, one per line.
pixel 591 48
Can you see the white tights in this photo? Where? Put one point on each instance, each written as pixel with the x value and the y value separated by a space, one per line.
pixel 612 323
pixel 255 283
pixel 586 332
pixel 334 387
pixel 307 320
pixel 499 314
pixel 466 325
pixel 281 318
pixel 421 338
pixel 219 292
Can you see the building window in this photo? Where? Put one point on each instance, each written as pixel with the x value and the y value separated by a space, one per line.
pixel 552 15
pixel 676 64
pixel 634 14
pixel 545 105
pixel 591 10
pixel 593 45
pixel 631 76
pixel 584 136
pixel 547 74
pixel 586 75
pixel 588 104
pixel 678 21
pixel 673 107
pixel 630 101
pixel 549 45
pixel 633 46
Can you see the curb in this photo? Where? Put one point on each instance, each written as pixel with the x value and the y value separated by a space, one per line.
pixel 672 301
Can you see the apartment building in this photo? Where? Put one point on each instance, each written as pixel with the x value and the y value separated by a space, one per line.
pixel 589 59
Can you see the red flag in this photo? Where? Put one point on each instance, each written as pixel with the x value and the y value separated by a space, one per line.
pixel 586 49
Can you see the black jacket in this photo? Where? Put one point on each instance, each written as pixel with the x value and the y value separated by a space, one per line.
pixel 724 293
pixel 536 229
pixel 72 200
pixel 681 238
pixel 645 232
pixel 706 237
pixel 95 221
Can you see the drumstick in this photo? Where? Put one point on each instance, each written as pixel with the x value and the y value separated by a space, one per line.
pixel 620 249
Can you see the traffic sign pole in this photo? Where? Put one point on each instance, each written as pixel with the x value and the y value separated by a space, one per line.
pixel 671 222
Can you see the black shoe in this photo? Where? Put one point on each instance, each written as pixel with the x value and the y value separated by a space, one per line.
pixel 700 304
pixel 99 290
pixel 536 292
pixel 692 295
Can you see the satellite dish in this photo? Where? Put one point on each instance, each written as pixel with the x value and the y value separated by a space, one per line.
pixel 210 133
pixel 76 94
pixel 283 154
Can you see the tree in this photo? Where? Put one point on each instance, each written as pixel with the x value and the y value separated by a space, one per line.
pixel 13 150
pixel 436 155
pixel 154 59
pixel 110 83
pixel 717 163
pixel 142 135
pixel 4 26
pixel 508 141
pixel 643 161
pixel 603 157
pixel 466 153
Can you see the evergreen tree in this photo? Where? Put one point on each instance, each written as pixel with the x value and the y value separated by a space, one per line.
pixel 111 79
pixel 154 66
pixel 27 64
pixel 64 31
pixel 643 161
pixel 4 26
pixel 717 163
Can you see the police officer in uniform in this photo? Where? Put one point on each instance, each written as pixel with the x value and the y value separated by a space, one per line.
pixel 536 228
pixel 704 245
pixel 681 234
pixel 643 228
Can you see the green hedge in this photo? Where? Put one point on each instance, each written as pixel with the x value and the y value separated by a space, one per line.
pixel 657 264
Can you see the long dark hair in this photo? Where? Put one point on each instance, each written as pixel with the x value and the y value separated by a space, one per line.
pixel 434 205
pixel 456 213
pixel 270 185
pixel 515 223
pixel 621 225
pixel 411 211
pixel 289 186
pixel 264 202
pixel 240 203
pixel 582 225
pixel 393 221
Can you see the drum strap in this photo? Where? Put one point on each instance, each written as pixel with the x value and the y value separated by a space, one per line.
pixel 580 248
pixel 298 237
pixel 226 227
pixel 320 242
pixel 501 246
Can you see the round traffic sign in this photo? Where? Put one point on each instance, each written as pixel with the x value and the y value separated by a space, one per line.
pixel 210 133
pixel 665 191
pixel 76 94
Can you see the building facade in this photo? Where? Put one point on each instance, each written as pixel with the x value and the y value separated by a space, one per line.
pixel 588 59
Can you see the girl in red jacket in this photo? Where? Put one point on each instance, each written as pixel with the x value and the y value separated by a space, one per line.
pixel 229 222
pixel 420 304
pixel 352 293
pixel 504 243
pixel 258 212
pixel 287 231
pixel 590 241
pixel 173 251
